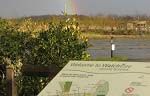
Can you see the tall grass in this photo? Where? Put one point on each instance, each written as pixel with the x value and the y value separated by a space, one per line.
pixel 115 58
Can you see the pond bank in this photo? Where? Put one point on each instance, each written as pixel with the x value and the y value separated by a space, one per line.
pixel 99 36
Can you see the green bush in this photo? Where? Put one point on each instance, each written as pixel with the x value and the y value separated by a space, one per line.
pixel 57 45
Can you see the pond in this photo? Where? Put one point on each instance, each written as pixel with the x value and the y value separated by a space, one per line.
pixel 133 49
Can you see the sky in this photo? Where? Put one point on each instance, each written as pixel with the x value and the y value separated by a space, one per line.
pixel 19 8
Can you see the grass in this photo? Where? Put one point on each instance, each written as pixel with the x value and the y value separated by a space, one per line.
pixel 115 58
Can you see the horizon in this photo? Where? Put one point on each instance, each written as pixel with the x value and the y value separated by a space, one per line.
pixel 96 15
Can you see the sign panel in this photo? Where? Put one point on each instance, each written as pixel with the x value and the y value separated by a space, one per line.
pixel 98 78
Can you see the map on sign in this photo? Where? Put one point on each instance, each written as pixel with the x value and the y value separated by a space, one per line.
pixel 100 78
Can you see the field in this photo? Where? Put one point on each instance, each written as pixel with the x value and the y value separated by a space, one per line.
pixel 89 25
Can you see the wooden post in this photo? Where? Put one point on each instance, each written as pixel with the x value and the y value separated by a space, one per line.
pixel 10 81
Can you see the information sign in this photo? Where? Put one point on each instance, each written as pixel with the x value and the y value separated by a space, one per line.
pixel 98 78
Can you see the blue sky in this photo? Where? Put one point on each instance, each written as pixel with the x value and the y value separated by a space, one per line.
pixel 18 8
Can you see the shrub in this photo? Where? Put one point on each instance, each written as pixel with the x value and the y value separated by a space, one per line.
pixel 57 45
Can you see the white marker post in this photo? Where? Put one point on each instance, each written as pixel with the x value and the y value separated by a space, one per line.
pixel 112 47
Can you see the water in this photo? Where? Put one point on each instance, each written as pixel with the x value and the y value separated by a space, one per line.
pixel 134 49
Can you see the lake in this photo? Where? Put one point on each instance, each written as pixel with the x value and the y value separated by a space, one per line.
pixel 134 49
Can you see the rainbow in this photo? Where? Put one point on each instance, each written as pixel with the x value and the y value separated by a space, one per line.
pixel 71 7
